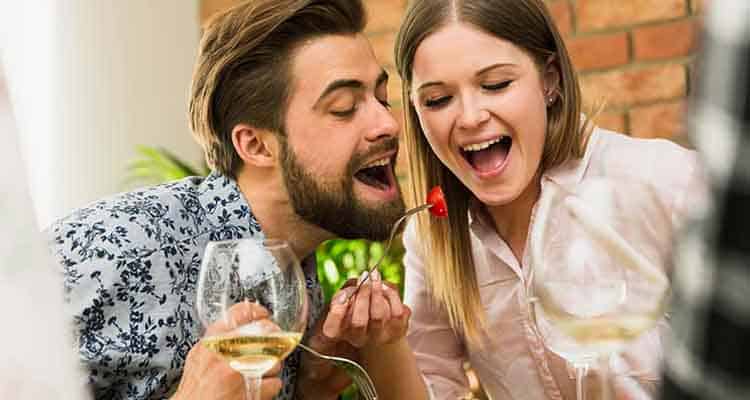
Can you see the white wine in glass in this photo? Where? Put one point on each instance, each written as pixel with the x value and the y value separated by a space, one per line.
pixel 265 272
pixel 600 256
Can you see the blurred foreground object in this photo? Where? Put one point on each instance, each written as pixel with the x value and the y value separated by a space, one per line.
pixel 708 357
pixel 37 357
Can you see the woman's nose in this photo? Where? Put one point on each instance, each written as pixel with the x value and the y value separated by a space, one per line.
pixel 472 116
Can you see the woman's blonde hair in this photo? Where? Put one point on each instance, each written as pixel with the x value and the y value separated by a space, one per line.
pixel 527 24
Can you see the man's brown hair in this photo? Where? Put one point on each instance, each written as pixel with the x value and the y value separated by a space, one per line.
pixel 243 71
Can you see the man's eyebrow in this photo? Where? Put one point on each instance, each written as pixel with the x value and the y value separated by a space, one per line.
pixel 350 84
pixel 338 84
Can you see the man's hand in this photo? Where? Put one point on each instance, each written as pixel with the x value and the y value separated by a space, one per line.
pixel 207 376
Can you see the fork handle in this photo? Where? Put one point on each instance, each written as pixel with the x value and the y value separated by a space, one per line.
pixel 390 241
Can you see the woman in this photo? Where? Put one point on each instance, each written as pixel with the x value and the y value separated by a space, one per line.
pixel 493 114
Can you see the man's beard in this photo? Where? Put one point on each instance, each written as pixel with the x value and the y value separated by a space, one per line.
pixel 333 205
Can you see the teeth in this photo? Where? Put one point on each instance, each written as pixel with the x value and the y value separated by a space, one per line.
pixel 378 163
pixel 481 146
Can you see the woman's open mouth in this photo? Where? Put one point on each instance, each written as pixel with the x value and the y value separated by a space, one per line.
pixel 488 156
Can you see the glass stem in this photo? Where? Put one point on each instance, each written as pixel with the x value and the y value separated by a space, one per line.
pixel 252 386
pixel 582 369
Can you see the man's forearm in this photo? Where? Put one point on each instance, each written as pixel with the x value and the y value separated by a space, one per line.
pixel 394 371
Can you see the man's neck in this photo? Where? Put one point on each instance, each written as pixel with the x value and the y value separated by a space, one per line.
pixel 270 204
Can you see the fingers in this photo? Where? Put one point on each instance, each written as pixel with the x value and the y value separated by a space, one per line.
pixel 270 388
pixel 273 371
pixel 394 301
pixel 375 314
pixel 334 324
pixel 237 315
pixel 380 310
pixel 360 315
pixel 350 282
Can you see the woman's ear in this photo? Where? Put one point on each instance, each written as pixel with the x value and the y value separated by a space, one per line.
pixel 551 78
pixel 256 147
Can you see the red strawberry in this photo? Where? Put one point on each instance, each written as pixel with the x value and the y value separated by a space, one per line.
pixel 437 199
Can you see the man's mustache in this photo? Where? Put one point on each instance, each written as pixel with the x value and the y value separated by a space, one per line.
pixel 382 146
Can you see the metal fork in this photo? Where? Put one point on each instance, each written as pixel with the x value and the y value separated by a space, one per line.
pixel 354 370
pixel 390 241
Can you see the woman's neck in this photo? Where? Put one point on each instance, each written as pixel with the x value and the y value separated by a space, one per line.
pixel 512 220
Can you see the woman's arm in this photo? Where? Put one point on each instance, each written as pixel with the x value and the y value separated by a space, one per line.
pixel 439 354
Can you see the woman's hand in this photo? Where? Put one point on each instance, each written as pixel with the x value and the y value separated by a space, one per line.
pixel 375 316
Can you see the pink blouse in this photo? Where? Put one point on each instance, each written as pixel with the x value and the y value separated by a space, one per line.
pixel 514 363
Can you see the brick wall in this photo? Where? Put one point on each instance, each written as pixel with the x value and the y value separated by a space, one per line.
pixel 634 56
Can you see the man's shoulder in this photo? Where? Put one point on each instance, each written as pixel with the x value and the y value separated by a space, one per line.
pixel 131 220
pixel 145 203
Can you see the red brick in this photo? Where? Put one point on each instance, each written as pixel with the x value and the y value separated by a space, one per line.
pixel 561 13
pixel 384 15
pixel 613 121
pixel 601 14
pixel 382 44
pixel 664 120
pixel 598 51
pixel 673 39
pixel 634 86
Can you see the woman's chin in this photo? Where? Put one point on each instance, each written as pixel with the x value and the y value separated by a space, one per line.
pixel 497 199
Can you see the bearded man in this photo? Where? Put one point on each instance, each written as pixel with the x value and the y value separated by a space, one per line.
pixel 290 106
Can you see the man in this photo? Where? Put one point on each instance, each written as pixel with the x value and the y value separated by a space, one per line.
pixel 708 354
pixel 291 109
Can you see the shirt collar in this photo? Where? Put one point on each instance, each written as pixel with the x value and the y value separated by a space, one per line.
pixel 571 173
pixel 224 209
pixel 229 215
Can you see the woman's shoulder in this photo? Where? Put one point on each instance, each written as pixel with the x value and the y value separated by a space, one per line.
pixel 673 170
pixel 650 157
pixel 623 143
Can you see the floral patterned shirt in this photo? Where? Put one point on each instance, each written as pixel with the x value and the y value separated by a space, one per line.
pixel 131 266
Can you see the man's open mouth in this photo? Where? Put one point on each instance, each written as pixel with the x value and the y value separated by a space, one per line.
pixel 488 155
pixel 377 174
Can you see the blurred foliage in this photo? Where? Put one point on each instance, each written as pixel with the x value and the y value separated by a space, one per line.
pixel 338 259
pixel 158 165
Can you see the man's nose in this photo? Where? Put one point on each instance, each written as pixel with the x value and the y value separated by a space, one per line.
pixel 385 126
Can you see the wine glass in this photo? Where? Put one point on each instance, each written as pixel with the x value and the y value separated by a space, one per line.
pixel 265 272
pixel 600 255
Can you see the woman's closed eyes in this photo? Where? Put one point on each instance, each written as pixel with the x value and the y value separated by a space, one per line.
pixel 438 101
